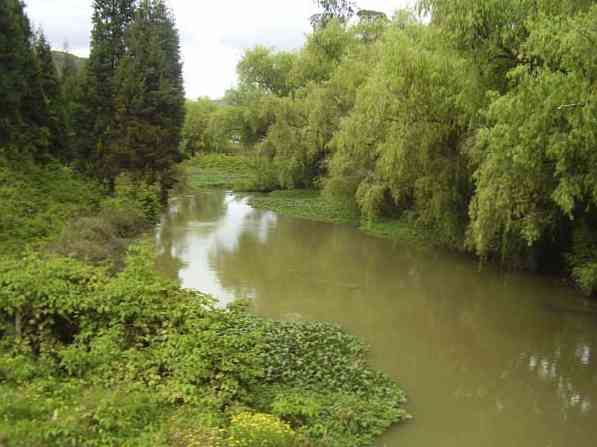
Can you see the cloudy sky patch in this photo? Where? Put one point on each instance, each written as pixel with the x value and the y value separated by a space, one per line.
pixel 213 34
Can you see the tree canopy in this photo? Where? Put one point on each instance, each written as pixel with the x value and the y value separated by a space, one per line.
pixel 475 122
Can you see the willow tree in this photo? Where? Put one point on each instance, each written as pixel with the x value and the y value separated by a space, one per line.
pixel 494 32
pixel 537 175
pixel 403 147
pixel 267 70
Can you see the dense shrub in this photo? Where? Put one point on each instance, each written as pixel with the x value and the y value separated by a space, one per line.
pixel 136 194
pixel 259 430
pixel 131 352
pixel 36 201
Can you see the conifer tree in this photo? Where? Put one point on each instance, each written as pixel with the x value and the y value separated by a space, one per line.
pixel 52 97
pixel 23 113
pixel 110 21
pixel 71 80
pixel 149 99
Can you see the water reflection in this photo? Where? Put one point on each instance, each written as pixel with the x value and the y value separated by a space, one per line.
pixel 488 359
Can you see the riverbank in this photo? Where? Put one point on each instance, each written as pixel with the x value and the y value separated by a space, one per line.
pixel 213 171
pixel 312 205
pixel 97 348
pixel 237 172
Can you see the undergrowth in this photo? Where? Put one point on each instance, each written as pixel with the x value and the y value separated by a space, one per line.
pixel 90 359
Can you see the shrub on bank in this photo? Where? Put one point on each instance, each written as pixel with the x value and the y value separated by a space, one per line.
pixel 36 201
pixel 260 430
pixel 111 360
pixel 103 238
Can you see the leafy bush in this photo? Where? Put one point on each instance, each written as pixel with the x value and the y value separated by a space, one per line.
pixel 36 201
pixel 135 194
pixel 260 430
pixel 127 353
pixel 103 239
pixel 582 260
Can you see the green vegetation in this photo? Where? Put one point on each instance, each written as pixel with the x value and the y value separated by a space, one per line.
pixel 475 125
pixel 132 359
pixel 312 205
pixel 36 201
pixel 96 349
pixel 220 171
pixel 305 204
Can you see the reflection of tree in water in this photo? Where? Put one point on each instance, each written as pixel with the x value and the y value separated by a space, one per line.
pixel 478 340
pixel 170 237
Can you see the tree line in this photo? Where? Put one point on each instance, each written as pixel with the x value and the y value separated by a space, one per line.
pixel 121 113
pixel 475 120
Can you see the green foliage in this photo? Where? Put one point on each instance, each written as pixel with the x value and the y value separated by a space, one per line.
pixel 401 146
pixel 322 53
pixel 149 100
pixel 582 260
pixel 537 159
pixel 477 128
pixel 71 215
pixel 53 98
pixel 24 116
pixel 135 195
pixel 221 171
pixel 196 137
pixel 96 116
pixel 36 201
pixel 134 356
pixel 266 70
pixel 259 430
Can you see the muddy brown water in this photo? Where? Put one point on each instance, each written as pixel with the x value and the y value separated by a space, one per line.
pixel 487 359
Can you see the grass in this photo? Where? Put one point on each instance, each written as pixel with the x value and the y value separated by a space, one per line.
pixel 305 204
pixel 312 205
pixel 213 171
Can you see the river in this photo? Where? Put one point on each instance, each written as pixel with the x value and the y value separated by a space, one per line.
pixel 487 359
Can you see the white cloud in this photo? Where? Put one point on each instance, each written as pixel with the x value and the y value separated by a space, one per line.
pixel 213 33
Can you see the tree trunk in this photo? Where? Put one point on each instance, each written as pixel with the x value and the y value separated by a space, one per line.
pixel 18 324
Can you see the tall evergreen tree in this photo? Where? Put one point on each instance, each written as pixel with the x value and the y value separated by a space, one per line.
pixel 110 20
pixel 23 113
pixel 149 99
pixel 71 80
pixel 52 96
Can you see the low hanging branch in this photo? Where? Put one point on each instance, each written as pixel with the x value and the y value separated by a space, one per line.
pixel 571 106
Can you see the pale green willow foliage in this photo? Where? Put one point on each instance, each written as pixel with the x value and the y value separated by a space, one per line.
pixel 402 145
pixel 328 72
pixel 538 158
pixel 477 123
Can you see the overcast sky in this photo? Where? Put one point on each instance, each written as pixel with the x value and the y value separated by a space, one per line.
pixel 213 33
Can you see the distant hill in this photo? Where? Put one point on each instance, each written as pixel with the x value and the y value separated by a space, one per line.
pixel 60 58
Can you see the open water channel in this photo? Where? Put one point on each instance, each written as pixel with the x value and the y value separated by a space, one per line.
pixel 487 359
